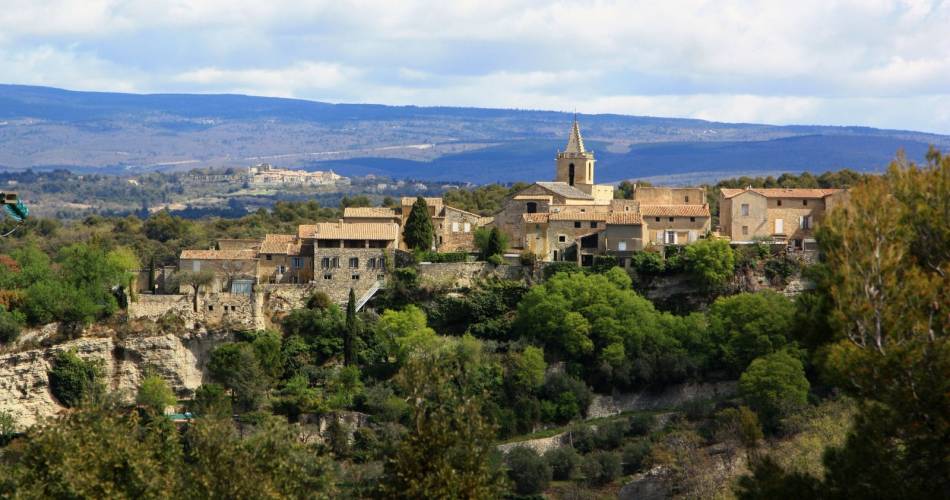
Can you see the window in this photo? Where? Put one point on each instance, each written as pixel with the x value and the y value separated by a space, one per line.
pixel 745 230
pixel 537 227
pixel 211 308
pixel 531 207
pixel 686 198
pixel 671 219
pixel 270 257
pixel 467 227
pixel 355 276
pixel 804 222
pixel 455 227
pixel 692 219
pixel 561 238
pixel 622 246
pixel 744 209
pixel 570 174
pixel 336 262
pixel 626 208
pixel 196 265
pixel 281 269
pixel 804 203
pixel 370 263
pixel 327 276
pixel 577 223
pixel 658 219
pixel 325 263
pixel 779 202
pixel 296 262
pixel 593 224
pixel 779 226
pixel 354 262
pixel 622 262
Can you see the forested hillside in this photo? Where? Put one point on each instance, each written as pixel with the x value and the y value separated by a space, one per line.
pixel 494 391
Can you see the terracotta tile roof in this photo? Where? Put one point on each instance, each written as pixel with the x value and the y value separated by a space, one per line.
pixel 238 243
pixel 372 212
pixel 781 192
pixel 536 218
pixel 192 254
pixel 278 243
pixel 342 230
pixel 430 200
pixel 629 218
pixel 674 210
pixel 566 190
pixel 584 216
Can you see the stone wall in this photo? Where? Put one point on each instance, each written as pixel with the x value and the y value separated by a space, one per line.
pixel 180 360
pixel 455 275
pixel 153 307
pixel 671 397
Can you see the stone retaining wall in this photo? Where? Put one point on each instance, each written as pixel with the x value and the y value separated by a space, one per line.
pixel 671 397
pixel 454 275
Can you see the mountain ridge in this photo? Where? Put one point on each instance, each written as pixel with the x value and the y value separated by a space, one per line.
pixel 45 127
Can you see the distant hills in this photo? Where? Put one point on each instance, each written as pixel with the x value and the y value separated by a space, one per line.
pixel 45 128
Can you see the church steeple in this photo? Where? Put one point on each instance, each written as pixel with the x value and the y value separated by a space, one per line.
pixel 575 165
pixel 575 143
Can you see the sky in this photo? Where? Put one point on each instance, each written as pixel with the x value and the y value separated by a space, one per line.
pixel 877 63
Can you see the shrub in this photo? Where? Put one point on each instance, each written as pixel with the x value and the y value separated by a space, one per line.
pixel 640 425
pixel 528 258
pixel 634 455
pixel 749 325
pixel 603 263
pixel 647 262
pixel 773 386
pixel 561 267
pixel 779 269
pixel 582 438
pixel 564 462
pixel 319 300
pixel 564 398
pixel 740 424
pixel 610 435
pixel 710 262
pixel 155 394
pixel 74 380
pixel 440 257
pixel 529 473
pixel 211 400
pixel 10 324
pixel 601 467
pixel 496 259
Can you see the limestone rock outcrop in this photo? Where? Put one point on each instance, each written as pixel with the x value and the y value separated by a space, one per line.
pixel 179 359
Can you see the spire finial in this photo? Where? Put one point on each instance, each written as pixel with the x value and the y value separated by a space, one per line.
pixel 575 143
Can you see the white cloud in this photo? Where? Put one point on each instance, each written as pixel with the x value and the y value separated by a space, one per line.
pixel 812 60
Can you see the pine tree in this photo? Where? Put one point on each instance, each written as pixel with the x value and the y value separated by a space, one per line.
pixel 349 332
pixel 418 231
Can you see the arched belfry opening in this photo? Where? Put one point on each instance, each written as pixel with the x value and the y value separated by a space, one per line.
pixel 570 174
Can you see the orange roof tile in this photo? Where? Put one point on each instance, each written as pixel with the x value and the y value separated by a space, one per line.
pixel 430 201
pixel 536 218
pixel 781 192
pixel 342 230
pixel 192 254
pixel 278 243
pixel 674 210
pixel 370 212
pixel 629 218
pixel 582 216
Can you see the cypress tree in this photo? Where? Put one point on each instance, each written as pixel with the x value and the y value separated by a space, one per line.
pixel 349 331
pixel 418 231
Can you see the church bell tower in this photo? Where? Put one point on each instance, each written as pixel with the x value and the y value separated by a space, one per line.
pixel 575 165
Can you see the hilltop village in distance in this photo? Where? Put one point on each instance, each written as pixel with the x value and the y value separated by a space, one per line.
pixel 568 219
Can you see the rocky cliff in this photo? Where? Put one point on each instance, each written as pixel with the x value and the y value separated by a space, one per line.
pixel 179 359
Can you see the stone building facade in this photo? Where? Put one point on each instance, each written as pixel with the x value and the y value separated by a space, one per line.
pixel 776 214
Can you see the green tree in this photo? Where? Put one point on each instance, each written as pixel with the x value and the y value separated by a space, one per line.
pixel 749 325
pixel 211 400
pixel 195 280
pixel 529 473
pixel 418 233
pixel 7 431
pixel 155 394
pixel 773 386
pixel 448 450
pixel 350 330
pixel 601 467
pixel 73 380
pixel 321 328
pixel 490 242
pixel 711 262
pixel 405 333
pixel 564 462
pixel 236 367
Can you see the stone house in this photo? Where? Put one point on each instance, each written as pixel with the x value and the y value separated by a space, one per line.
pixel 235 271
pixel 453 228
pixel 284 258
pixel 778 215
pixel 350 254
pixel 676 224
pixel 372 214
pixel 623 235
